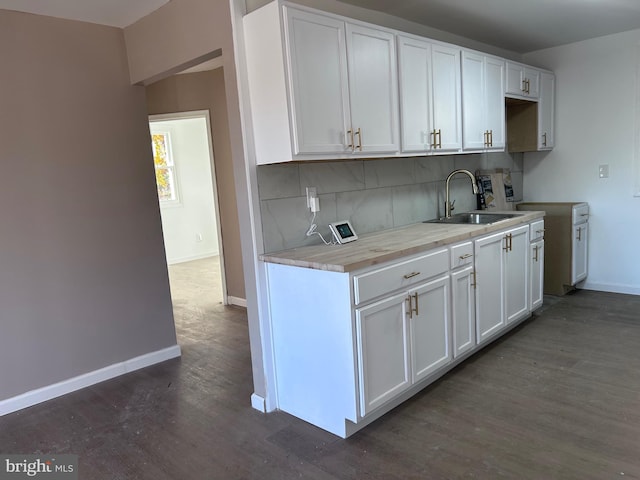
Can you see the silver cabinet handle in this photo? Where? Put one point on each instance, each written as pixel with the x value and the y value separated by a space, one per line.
pixel 412 274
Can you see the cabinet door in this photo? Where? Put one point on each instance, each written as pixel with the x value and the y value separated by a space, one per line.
pixel 447 109
pixel 517 274
pixel 473 102
pixel 463 310
pixel 494 107
pixel 373 89
pixel 546 106
pixel 429 328
pixel 383 357
pixel 415 94
pixel 515 79
pixel 532 76
pixel 489 285
pixel 536 284
pixel 318 83
pixel 483 110
pixel 523 81
pixel 579 253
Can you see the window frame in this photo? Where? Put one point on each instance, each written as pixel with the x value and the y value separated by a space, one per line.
pixel 170 166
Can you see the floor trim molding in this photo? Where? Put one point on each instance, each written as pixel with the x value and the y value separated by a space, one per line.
pixel 611 288
pixel 43 394
pixel 258 403
pixel 240 302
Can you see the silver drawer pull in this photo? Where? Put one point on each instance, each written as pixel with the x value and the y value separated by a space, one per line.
pixel 466 255
pixel 412 274
pixel 540 231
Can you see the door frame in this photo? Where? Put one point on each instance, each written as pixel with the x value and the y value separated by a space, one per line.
pixel 216 203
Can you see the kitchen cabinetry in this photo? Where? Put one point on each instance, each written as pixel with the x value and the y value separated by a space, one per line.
pixel 405 337
pixel 463 303
pixel 382 332
pixel 536 265
pixel 373 90
pixel 502 281
pixel 429 96
pixel 546 111
pixel 483 110
pixel 350 345
pixel 402 339
pixel 530 124
pixel 566 231
pixel 319 86
pixel 579 253
pixel 523 81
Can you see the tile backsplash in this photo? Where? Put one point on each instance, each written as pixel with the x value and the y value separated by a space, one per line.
pixel 373 194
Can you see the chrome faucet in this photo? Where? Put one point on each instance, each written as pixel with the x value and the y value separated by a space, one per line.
pixel 447 204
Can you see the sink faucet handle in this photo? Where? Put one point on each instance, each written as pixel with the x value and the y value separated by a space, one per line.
pixel 452 205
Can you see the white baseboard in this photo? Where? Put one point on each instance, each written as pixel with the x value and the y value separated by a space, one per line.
pixel 191 258
pixel 258 403
pixel 43 394
pixel 240 302
pixel 612 288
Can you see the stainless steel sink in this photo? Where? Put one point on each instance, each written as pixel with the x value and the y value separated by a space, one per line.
pixel 474 218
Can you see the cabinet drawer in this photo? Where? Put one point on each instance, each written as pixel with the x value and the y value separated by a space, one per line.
pixel 536 230
pixel 461 254
pixel 580 213
pixel 384 280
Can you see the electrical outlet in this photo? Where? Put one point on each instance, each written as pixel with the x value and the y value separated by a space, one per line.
pixel 312 192
pixel 603 171
pixel 315 204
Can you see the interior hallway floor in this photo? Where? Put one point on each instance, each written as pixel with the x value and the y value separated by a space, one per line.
pixel 558 398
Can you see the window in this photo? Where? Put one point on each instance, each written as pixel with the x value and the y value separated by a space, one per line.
pixel 165 168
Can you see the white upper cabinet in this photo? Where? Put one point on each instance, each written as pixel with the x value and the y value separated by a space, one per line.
pixel 319 88
pixel 483 110
pixel 447 117
pixel 414 58
pixel 373 89
pixel 429 96
pixel 546 109
pixel 523 81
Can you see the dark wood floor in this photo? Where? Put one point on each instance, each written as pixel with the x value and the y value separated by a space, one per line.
pixel 559 398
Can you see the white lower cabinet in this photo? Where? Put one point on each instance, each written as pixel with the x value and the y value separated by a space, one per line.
pixel 401 340
pixel 429 327
pixel 382 334
pixel 348 347
pixel 536 256
pixel 490 290
pixel 579 253
pixel 536 265
pixel 516 274
pixel 463 303
pixel 502 280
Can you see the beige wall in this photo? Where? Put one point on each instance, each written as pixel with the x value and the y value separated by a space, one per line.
pixel 83 281
pixel 205 91
pixel 178 35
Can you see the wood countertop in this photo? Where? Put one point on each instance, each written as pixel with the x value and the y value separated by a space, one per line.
pixel 386 245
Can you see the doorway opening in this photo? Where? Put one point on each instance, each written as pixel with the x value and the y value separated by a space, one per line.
pixel 185 176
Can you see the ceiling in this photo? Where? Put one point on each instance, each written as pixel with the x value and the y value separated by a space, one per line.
pixel 116 13
pixel 517 25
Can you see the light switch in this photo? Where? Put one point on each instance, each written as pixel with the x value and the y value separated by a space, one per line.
pixel 603 171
